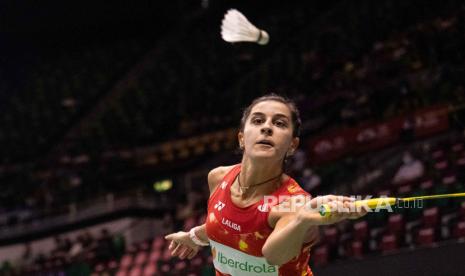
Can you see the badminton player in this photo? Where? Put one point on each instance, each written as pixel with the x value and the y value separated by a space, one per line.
pixel 252 226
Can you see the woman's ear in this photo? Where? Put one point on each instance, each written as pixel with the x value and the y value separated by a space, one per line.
pixel 294 144
pixel 240 138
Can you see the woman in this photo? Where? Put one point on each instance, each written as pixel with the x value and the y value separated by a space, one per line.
pixel 257 223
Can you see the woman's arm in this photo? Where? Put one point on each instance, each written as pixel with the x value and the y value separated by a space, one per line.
pixel 293 228
pixel 312 236
pixel 285 242
pixel 201 233
pixel 215 177
pixel 187 244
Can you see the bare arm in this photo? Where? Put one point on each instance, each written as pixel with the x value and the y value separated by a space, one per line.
pixel 287 239
pixel 293 229
pixel 181 244
pixel 215 176
pixel 201 233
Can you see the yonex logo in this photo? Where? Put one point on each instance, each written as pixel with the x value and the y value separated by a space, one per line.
pixel 220 205
pixel 224 184
pixel 263 207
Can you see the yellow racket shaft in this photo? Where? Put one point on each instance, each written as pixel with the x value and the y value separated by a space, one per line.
pixel 433 197
pixel 325 209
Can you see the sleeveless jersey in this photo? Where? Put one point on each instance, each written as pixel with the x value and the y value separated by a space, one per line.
pixel 237 235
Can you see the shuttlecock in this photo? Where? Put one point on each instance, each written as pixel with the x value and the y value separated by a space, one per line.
pixel 235 27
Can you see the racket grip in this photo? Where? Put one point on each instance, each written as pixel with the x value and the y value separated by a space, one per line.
pixel 325 209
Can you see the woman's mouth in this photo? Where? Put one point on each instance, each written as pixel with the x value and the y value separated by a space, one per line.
pixel 265 143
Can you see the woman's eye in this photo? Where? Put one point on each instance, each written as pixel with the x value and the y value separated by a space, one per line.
pixel 280 123
pixel 257 121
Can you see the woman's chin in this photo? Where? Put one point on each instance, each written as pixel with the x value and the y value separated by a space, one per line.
pixel 264 155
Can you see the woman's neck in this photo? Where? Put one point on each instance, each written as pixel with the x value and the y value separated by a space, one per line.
pixel 253 172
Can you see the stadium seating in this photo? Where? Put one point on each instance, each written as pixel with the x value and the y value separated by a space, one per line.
pixel 162 119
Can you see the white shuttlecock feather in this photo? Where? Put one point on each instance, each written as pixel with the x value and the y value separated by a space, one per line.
pixel 235 27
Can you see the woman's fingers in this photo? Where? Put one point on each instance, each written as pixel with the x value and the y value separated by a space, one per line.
pixel 172 236
pixel 177 249
pixel 338 208
pixel 172 245
pixel 185 252
pixel 330 198
pixel 359 212
pixel 192 254
pixel 181 245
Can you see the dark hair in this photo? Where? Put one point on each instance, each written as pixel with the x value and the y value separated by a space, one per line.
pixel 295 115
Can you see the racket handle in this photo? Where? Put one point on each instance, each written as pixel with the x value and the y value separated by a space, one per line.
pixel 381 202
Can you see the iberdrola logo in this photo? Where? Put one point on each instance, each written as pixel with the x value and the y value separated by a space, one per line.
pixel 244 265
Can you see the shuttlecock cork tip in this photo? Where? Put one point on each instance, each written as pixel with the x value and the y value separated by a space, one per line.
pixel 263 38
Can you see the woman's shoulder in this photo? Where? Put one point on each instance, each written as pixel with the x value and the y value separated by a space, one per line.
pixel 293 187
pixel 216 175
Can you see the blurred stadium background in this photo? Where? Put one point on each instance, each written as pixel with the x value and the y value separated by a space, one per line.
pixel 112 113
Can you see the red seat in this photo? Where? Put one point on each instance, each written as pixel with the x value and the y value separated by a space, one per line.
pixel 144 246
pixel 121 272
pixel 126 261
pixel 99 267
pixel 361 230
pixel 459 230
pixel 180 266
pixel 449 179
pixel 427 184
pixel 150 269
pixel 457 147
pixel 189 223
pixel 141 258
pixel 166 256
pixel 441 165
pixel 158 242
pixel 396 224
pixel 460 162
pixel 384 193
pixel 197 262
pixel 320 256
pixel 356 249
pixel 403 190
pixel 462 210
pixel 202 219
pixel 90 256
pixel 437 154
pixel 431 217
pixel 165 269
pixel 155 256
pixel 425 236
pixel 136 271
pixel 331 235
pixel 112 264
pixel 388 243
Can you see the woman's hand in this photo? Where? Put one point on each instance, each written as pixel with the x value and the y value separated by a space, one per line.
pixel 181 245
pixel 341 207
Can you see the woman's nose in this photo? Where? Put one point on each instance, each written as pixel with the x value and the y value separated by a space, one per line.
pixel 267 131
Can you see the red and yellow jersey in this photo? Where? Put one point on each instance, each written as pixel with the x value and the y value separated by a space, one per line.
pixel 237 235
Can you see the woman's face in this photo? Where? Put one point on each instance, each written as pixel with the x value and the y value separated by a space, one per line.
pixel 268 131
